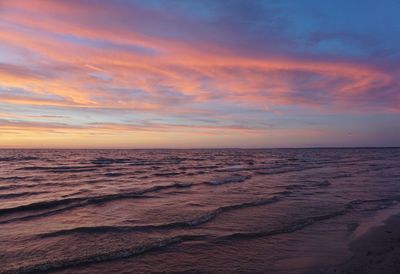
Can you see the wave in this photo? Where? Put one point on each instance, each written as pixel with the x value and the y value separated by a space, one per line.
pixel 124 253
pixel 70 203
pixel 109 161
pixel 278 168
pixel 312 183
pixel 182 224
pixel 9 187
pixel 201 167
pixel 102 161
pixel 106 256
pixel 341 176
pixel 114 174
pixel 12 159
pixel 133 251
pixel 13 178
pixel 307 185
pixel 302 223
pixel 323 183
pixel 38 215
pixel 286 169
pixel 236 178
pixel 294 187
pixel 33 184
pixel 168 174
pixel 60 169
pixel 21 194
pixel 39 205
pixel 161 187
pixel 358 202
pixel 298 225
pixel 51 167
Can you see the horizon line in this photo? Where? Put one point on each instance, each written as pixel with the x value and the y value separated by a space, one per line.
pixel 210 148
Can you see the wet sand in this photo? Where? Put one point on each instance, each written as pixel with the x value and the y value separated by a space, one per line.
pixel 375 252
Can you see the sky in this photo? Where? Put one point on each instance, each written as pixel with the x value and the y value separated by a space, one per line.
pixel 199 74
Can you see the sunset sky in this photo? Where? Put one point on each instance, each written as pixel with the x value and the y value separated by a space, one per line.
pixel 202 73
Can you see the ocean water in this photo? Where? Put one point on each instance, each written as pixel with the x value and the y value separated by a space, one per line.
pixel 189 211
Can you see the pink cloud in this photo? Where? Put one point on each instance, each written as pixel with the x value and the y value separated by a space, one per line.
pixel 74 58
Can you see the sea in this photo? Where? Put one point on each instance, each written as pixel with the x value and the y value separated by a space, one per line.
pixel 190 211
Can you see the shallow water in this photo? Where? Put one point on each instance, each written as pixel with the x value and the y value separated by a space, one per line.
pixel 192 211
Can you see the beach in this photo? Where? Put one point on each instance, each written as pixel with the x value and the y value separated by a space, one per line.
pixel 376 252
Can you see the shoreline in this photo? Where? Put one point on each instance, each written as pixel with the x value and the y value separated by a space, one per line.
pixel 375 252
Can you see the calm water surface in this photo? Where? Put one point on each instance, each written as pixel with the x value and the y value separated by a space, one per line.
pixel 189 211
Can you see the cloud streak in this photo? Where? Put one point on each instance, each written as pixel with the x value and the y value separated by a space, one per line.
pixel 211 60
